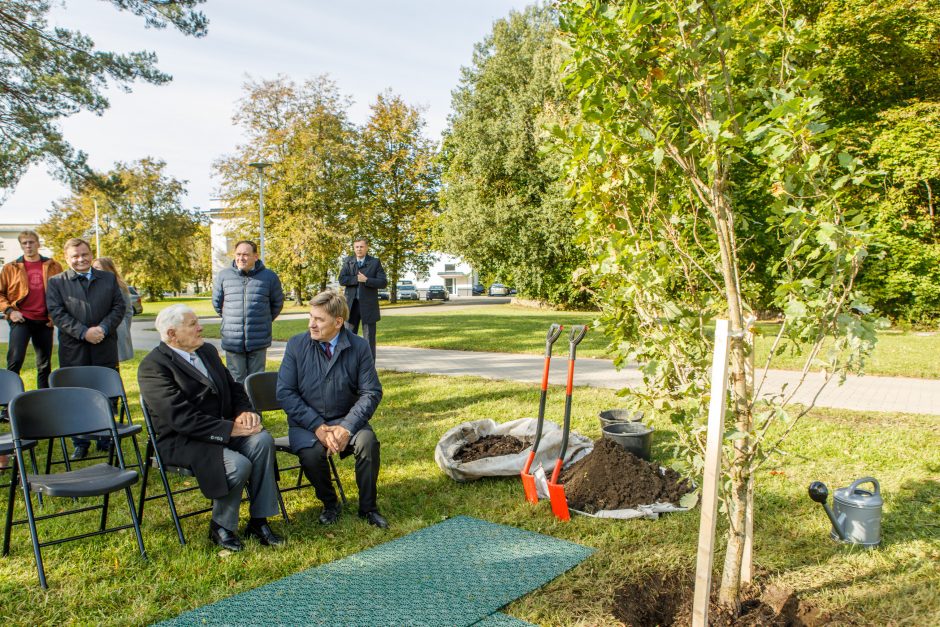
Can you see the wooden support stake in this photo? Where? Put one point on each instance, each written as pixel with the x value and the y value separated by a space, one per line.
pixel 712 476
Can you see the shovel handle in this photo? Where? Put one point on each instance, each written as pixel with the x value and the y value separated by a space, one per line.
pixel 554 332
pixel 575 336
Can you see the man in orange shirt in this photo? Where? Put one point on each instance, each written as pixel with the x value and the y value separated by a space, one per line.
pixel 23 302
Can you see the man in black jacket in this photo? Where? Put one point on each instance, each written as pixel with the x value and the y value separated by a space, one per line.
pixel 87 306
pixel 362 276
pixel 205 422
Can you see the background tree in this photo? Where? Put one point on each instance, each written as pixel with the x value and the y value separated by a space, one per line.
pixel 143 225
pixel 504 207
pixel 399 182
pixel 310 195
pixel 676 96
pixel 880 74
pixel 50 73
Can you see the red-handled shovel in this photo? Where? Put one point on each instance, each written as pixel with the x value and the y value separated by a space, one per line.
pixel 556 491
pixel 528 480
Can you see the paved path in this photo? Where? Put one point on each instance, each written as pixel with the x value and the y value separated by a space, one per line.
pixel 870 393
pixel 917 396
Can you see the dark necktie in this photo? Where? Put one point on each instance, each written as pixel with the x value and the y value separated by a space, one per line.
pixel 327 349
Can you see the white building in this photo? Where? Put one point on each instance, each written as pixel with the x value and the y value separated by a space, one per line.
pixel 453 273
pixel 10 245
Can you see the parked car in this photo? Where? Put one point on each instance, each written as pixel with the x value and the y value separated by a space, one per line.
pixel 407 291
pixel 135 300
pixel 477 289
pixel 383 295
pixel 437 292
pixel 498 289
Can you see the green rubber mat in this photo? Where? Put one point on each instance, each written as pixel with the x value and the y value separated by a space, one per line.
pixel 455 573
pixel 501 620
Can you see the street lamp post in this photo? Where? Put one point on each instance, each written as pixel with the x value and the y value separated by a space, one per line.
pixel 260 166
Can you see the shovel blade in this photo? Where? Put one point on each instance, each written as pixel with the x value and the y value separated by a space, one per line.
pixel 528 484
pixel 556 492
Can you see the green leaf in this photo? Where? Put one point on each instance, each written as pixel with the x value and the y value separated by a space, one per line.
pixel 689 499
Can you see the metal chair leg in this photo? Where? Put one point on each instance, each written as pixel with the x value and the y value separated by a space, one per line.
pixel 34 535
pixel 32 462
pixel 130 506
pixel 104 512
pixel 9 518
pixel 339 485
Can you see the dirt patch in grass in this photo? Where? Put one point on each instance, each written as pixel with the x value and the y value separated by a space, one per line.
pixel 666 599
pixel 489 446
pixel 609 477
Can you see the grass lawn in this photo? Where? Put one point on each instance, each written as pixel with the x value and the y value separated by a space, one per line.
pixel 102 580
pixel 203 306
pixel 512 329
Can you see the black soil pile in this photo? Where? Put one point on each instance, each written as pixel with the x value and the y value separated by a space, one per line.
pixel 666 599
pixel 489 446
pixel 609 477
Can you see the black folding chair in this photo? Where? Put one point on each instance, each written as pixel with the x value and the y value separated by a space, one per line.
pixel 107 381
pixel 11 386
pixel 262 391
pixel 44 414
pixel 156 461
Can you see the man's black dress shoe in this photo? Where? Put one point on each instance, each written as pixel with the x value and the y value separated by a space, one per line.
pixel 331 513
pixel 375 518
pixel 263 532
pixel 224 538
pixel 80 452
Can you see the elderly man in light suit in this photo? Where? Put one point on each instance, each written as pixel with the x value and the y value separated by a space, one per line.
pixel 206 422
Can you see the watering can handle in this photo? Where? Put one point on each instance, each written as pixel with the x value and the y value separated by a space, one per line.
pixel 863 481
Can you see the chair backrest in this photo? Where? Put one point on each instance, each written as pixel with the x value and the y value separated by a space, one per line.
pixel 10 385
pixel 105 380
pixel 262 391
pixel 56 412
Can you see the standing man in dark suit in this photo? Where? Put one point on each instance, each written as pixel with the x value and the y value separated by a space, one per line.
pixel 206 422
pixel 329 390
pixel 362 276
pixel 87 307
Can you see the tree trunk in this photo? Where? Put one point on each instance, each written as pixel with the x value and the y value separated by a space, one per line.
pixel 740 462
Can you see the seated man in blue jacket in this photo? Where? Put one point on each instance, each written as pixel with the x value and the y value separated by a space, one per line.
pixel 329 389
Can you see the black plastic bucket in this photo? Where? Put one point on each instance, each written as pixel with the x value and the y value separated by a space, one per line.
pixel 619 416
pixel 635 437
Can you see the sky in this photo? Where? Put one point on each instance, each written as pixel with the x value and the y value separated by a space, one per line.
pixel 414 47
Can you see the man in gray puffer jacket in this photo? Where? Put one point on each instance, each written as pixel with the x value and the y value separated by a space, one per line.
pixel 249 297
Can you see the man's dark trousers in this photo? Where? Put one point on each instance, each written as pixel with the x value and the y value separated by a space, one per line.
pixel 368 329
pixel 365 446
pixel 40 333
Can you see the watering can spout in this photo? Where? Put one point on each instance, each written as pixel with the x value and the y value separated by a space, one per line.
pixel 820 493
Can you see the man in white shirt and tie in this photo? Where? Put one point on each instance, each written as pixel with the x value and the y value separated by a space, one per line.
pixel 204 421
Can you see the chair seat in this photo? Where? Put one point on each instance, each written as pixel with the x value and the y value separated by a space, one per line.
pixel 6 444
pixel 282 444
pixel 123 431
pixel 183 471
pixel 91 481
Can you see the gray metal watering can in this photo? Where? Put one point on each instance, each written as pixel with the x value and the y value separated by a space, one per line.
pixel 855 513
